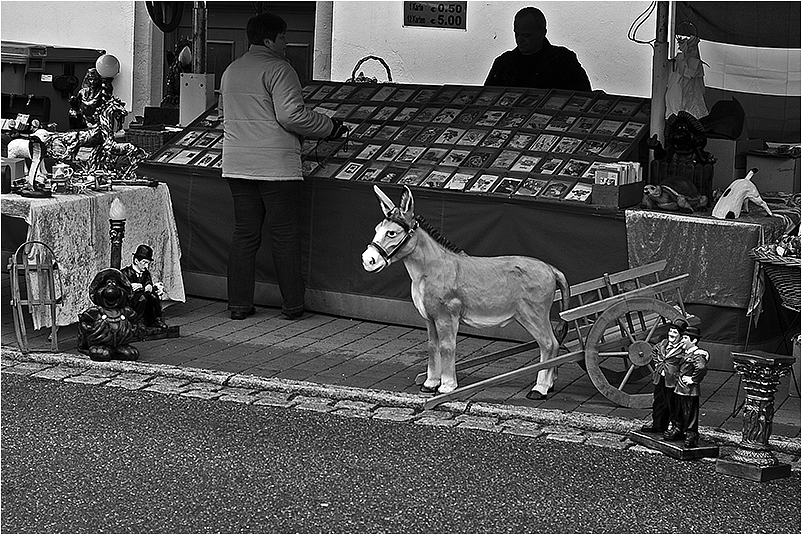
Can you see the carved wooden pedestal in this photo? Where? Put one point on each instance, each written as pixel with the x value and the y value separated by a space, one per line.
pixel 753 459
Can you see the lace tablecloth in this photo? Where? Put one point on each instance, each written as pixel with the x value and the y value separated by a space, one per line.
pixel 76 227
pixel 714 252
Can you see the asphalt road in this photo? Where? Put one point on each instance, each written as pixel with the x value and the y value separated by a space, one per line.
pixel 81 459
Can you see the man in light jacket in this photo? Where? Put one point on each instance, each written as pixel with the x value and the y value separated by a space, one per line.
pixel 264 119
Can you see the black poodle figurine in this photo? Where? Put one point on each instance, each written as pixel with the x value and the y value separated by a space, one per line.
pixel 104 330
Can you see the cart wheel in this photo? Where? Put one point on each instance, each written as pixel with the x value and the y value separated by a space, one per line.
pixel 618 351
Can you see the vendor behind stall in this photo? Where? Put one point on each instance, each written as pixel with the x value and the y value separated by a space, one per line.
pixel 535 62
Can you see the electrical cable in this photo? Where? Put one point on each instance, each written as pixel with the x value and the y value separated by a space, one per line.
pixel 639 21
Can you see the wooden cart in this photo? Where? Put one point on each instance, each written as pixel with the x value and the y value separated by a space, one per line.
pixel 614 322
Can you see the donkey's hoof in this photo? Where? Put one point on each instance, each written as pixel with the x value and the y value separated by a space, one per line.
pixel 535 395
pixel 428 389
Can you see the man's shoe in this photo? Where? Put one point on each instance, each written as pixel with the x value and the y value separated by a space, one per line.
pixel 242 314
pixel 691 442
pixel 650 429
pixel 293 315
pixel 673 434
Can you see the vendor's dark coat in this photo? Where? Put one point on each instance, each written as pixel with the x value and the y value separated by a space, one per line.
pixel 552 67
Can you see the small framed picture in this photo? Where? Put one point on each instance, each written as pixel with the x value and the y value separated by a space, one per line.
pixel 406 113
pixel 507 186
pixel 496 138
pixel 433 155
pixel 483 183
pixel 505 159
pixel 556 189
pixel 531 187
pixel 459 180
pixel 414 176
pixel 550 165
pixel 410 154
pixel 631 130
pixel 525 163
pixel 371 172
pixel 608 127
pixel 429 134
pixel 383 94
pixel 384 113
pixel 449 136
pixel 561 123
pixel 469 115
pixel 408 133
pixel 544 143
pixel 436 179
pixel 446 115
pixel 349 171
pixel 455 157
pixel 521 141
pixel 490 117
pixel 514 118
pixel 567 145
pixel 580 192
pixel 472 137
pixel 369 151
pixel 574 167
pixel 509 98
pixel 391 152
pixel 185 156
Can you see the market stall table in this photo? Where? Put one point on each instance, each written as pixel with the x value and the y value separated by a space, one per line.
pixel 714 252
pixel 76 227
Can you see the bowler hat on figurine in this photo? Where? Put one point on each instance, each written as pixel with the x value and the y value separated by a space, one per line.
pixel 144 251
pixel 693 332
pixel 680 324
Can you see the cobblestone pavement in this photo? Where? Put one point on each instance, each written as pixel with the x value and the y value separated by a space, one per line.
pixel 575 427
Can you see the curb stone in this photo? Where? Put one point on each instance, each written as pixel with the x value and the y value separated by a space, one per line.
pixel 157 377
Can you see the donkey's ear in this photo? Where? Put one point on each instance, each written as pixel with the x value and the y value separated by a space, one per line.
pixel 385 202
pixel 407 202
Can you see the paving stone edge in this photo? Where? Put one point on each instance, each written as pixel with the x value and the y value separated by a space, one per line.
pixel 546 417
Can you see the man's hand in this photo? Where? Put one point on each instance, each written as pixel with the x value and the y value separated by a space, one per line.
pixel 135 286
pixel 687 380
pixel 338 131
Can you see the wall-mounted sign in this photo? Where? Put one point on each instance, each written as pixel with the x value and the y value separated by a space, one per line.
pixel 436 14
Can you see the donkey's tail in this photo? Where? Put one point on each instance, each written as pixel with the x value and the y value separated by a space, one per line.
pixel 561 329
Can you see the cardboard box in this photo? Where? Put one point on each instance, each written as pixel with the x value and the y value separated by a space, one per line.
pixel 16 167
pixel 197 96
pixel 775 173
pixel 730 159
pixel 617 196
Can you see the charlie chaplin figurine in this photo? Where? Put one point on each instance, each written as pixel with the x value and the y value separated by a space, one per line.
pixel 666 357
pixel 105 329
pixel 146 298
pixel 692 369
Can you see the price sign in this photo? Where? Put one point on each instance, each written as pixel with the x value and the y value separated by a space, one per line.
pixel 436 14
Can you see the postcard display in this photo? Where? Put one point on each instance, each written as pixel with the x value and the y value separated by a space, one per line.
pixel 508 142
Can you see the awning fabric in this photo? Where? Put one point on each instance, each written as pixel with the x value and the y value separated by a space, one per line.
pixel 752 52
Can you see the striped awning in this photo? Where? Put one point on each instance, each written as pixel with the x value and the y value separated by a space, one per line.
pixel 752 53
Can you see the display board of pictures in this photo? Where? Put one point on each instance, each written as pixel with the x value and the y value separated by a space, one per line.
pixel 200 145
pixel 511 142
pixel 496 141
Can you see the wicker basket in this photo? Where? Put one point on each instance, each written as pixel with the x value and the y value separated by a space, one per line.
pixel 784 272
pixel 150 139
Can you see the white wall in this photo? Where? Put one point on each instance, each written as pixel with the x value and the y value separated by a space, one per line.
pixel 596 31
pixel 105 26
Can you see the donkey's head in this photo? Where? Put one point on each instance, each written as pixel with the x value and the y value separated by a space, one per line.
pixel 392 233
